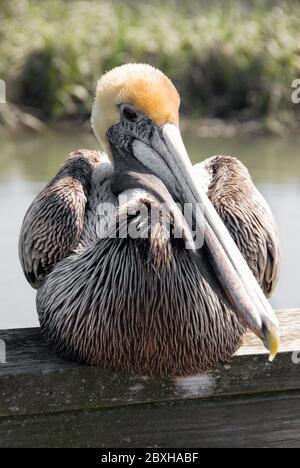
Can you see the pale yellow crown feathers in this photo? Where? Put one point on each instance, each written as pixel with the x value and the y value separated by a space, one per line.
pixel 140 85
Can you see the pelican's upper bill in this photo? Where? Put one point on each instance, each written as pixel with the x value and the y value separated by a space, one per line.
pixel 140 85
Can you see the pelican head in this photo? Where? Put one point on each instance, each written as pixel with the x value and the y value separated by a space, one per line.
pixel 136 119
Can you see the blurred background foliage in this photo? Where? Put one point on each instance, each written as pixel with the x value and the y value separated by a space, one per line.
pixel 229 59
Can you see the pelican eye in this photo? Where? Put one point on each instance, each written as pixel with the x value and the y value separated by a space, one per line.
pixel 129 113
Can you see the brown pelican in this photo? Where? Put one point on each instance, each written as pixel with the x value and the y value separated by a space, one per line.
pixel 155 303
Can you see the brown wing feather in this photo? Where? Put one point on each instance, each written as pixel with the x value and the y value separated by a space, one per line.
pixel 53 224
pixel 246 215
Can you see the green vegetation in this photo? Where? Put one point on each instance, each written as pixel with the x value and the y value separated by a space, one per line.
pixel 228 59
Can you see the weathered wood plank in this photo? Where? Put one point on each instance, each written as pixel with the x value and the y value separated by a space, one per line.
pixel 35 381
pixel 289 334
pixel 259 421
pixel 85 388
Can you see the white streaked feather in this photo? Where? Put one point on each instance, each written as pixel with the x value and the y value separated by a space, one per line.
pixel 101 204
pixel 204 174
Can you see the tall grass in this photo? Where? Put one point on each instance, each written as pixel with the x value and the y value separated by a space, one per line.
pixel 228 59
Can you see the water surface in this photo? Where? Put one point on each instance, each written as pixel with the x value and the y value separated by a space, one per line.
pixel 27 162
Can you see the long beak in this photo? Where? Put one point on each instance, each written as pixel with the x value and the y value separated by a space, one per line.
pixel 168 158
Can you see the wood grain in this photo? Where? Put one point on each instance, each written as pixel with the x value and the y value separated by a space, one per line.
pixel 289 321
pixel 259 421
pixel 45 401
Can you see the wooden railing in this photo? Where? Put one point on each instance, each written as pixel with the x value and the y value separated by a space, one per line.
pixel 48 402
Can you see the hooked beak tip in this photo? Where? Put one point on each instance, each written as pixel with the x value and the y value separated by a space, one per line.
pixel 271 340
